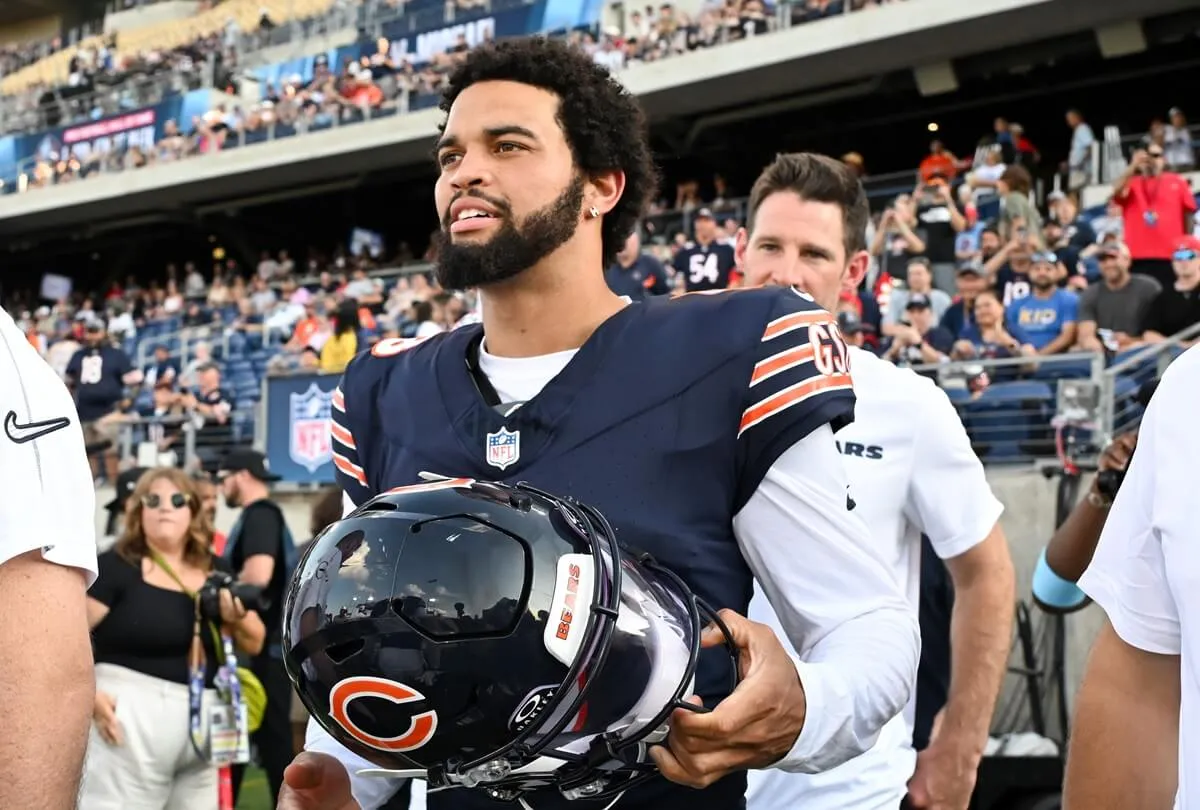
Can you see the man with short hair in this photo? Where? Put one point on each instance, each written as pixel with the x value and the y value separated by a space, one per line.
pixel 47 563
pixel 1048 314
pixel 1113 312
pixel 912 471
pixel 919 281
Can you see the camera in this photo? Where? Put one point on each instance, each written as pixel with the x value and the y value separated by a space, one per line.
pixel 210 595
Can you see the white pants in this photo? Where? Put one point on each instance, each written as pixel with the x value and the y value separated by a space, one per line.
pixel 156 767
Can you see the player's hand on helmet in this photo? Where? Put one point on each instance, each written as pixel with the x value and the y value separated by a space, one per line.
pixel 752 728
pixel 104 714
pixel 316 782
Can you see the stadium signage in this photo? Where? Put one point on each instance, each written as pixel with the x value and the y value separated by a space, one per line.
pixel 141 121
pixel 426 45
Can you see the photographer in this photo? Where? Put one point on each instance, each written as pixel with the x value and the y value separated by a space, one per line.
pixel 262 553
pixel 156 666
pixel 1070 550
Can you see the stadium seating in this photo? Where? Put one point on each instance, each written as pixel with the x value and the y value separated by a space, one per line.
pixel 53 70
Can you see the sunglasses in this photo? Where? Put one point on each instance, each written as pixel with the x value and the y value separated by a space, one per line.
pixel 152 501
pixel 1184 255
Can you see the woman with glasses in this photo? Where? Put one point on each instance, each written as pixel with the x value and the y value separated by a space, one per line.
pixel 156 665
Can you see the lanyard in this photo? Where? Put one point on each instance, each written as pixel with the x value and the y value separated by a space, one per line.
pixel 1142 192
pixel 228 686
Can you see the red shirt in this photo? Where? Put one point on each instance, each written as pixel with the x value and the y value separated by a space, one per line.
pixel 1167 199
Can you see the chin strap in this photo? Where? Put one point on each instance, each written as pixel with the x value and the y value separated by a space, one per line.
pixel 525 805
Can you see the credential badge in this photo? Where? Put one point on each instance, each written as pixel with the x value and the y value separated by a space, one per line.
pixel 503 448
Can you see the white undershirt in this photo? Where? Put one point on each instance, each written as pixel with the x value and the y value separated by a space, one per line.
pixel 840 605
pixel 912 470
pixel 48 500
pixel 1146 569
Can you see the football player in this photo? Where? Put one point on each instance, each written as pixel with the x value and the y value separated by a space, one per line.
pixel 1137 718
pixel 702 426
pixel 913 472
pixel 47 563
pixel 705 263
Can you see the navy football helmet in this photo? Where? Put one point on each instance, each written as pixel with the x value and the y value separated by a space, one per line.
pixel 494 637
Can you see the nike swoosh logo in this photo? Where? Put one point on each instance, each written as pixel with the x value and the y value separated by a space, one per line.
pixel 20 434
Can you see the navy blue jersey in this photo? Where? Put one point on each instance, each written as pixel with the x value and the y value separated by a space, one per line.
pixel 660 420
pixel 705 267
pixel 96 374
pixel 645 277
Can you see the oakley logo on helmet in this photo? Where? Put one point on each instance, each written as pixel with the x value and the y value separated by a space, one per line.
pixel 533 705
pixel 421 728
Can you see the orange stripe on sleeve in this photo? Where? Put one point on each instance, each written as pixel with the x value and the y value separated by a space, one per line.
pixel 342 436
pixel 781 362
pixel 796 320
pixel 792 395
pixel 352 470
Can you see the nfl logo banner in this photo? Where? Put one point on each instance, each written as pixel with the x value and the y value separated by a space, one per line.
pixel 503 448
pixel 309 443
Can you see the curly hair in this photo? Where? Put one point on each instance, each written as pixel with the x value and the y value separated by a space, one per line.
pixel 132 545
pixel 601 120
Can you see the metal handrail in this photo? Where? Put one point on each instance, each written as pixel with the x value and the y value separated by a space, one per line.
pixel 1153 349
pixel 183 335
pixel 1004 362
pixel 187 422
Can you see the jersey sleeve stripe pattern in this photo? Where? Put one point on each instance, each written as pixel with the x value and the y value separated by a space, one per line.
pixel 345 450
pixel 791 396
pixel 781 362
pixel 794 321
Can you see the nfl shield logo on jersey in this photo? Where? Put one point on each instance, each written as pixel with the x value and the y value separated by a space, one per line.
pixel 503 447
pixel 309 444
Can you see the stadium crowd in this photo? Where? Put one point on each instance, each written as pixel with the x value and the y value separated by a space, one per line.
pixel 102 80
pixel 965 267
pixel 968 265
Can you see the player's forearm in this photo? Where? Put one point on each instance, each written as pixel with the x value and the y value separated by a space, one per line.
pixel 980 635
pixel 47 685
pixel 855 679
pixel 1124 746
pixel 1071 548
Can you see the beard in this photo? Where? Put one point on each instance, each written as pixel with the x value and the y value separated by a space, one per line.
pixel 512 250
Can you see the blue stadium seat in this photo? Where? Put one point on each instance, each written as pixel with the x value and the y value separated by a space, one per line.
pixel 1064 370
pixel 958 396
pixel 1007 417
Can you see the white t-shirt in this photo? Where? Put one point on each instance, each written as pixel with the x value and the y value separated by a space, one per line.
pixel 911 470
pixel 859 637
pixel 47 499
pixel 1146 569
